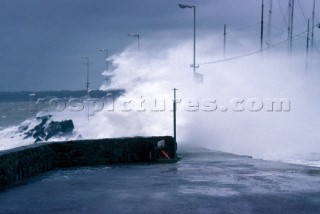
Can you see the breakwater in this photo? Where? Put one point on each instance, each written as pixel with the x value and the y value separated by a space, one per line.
pixel 21 163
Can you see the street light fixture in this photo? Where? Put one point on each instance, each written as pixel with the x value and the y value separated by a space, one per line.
pixel 194 66
pixel 106 51
pixel 185 6
pixel 108 76
pixel 135 35
pixel 87 84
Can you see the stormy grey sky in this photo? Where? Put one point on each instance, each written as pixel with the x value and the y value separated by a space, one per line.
pixel 42 41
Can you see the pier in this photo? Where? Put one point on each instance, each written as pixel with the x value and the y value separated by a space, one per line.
pixel 21 163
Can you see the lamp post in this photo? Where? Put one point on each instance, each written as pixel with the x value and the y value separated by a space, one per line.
pixel 175 120
pixel 106 51
pixel 194 66
pixel 135 35
pixel 87 84
pixel 107 62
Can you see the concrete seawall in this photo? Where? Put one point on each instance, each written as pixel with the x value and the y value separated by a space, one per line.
pixel 23 162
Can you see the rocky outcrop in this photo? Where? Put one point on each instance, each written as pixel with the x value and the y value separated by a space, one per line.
pixel 47 129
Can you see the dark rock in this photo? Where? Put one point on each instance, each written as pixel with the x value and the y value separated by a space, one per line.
pixel 44 131
pixel 38 140
pixel 38 130
pixel 59 128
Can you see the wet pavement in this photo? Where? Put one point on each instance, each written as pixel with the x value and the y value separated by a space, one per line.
pixel 201 182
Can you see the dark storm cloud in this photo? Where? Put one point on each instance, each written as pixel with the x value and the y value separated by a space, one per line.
pixel 42 41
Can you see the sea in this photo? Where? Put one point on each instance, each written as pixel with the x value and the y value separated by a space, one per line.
pixel 16 107
pixel 14 113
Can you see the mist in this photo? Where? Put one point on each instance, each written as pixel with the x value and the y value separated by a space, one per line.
pixel 152 73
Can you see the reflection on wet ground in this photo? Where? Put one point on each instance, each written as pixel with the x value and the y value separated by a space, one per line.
pixel 201 182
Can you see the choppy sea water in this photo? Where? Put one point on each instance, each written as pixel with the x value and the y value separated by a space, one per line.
pixel 14 113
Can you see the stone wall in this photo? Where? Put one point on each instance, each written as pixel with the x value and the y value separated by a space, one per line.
pixel 23 162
